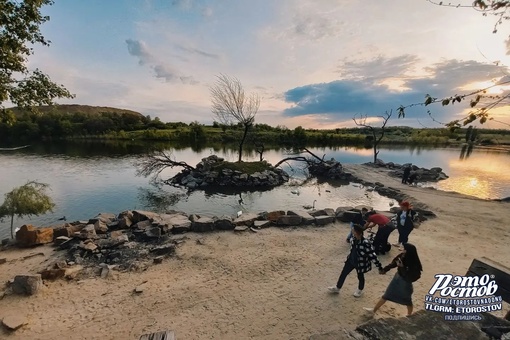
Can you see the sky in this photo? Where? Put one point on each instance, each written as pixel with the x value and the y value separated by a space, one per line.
pixel 314 63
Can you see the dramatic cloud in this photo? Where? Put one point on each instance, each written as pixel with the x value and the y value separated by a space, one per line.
pixel 162 70
pixel 342 99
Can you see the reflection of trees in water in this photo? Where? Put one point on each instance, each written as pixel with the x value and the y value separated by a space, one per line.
pixel 157 199
pixel 466 151
pixel 471 137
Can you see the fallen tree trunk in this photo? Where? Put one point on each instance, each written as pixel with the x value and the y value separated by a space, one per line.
pixel 156 162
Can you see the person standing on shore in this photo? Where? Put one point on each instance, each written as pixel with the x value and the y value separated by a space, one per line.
pixel 360 259
pixel 400 289
pixel 405 176
pixel 405 224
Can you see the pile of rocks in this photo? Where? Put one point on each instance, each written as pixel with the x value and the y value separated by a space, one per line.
pixel 206 174
pixel 424 175
pixel 329 169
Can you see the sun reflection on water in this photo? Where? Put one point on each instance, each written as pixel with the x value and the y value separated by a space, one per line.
pixel 479 176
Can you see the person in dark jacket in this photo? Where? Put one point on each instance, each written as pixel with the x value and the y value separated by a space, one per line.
pixel 400 289
pixel 360 259
pixel 405 224
pixel 405 176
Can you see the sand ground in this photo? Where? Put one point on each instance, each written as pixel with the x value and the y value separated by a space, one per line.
pixel 265 285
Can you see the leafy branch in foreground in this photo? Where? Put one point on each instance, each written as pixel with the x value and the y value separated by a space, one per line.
pixel 497 8
pixel 20 23
pixel 478 98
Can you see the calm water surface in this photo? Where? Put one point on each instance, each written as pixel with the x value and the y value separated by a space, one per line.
pixel 89 178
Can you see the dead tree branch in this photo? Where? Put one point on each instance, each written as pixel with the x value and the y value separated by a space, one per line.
pixel 362 122
pixel 156 162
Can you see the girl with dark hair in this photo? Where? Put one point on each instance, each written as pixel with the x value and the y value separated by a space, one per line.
pixel 400 289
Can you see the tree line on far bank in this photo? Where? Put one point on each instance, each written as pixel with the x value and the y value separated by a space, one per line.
pixel 57 125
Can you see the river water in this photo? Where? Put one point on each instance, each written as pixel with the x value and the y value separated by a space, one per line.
pixel 88 178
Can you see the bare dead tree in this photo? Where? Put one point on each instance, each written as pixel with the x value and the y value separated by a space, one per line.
pixel 156 162
pixel 231 105
pixel 309 161
pixel 361 121
pixel 259 148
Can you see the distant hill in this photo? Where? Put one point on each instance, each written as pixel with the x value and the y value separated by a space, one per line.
pixel 75 108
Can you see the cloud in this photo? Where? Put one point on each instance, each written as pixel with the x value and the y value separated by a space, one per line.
pixel 193 50
pixel 344 98
pixel 139 49
pixel 379 67
pixel 162 70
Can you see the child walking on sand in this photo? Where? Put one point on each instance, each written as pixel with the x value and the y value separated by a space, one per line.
pixel 360 259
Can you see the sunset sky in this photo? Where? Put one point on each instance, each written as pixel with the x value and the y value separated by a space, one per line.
pixel 315 63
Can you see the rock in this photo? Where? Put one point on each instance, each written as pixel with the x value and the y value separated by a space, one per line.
pixel 379 184
pixel 340 210
pixel 322 220
pixel 142 225
pixel 253 230
pixel 347 216
pixel 61 239
pixel 106 270
pixel 224 223
pixel 288 220
pixel 203 224
pixel 125 219
pixel 422 325
pixel 67 230
pixel 158 259
pixel 261 224
pixel 274 215
pixel 28 236
pixel 330 212
pixel 88 246
pixel 153 232
pixel 119 237
pixel 3 260
pixel 436 169
pixel 73 272
pixel 14 321
pixel 241 228
pixel 53 274
pixel 246 219
pixel 163 250
pixel 27 284
pixel 140 215
pixel 139 289
pixel 100 227
pixel 178 223
pixel 89 232
pixel 361 206
pixel 379 162
pixel 306 218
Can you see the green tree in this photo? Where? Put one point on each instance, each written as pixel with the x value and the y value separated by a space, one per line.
pixel 27 200
pixel 20 23
pixel 230 104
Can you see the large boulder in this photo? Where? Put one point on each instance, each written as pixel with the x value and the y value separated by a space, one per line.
pixel 27 284
pixel 28 236
pixel 289 220
pixel 306 218
pixel 224 223
pixel 141 215
pixel 246 219
pixel 203 224
pixel 273 216
pixel 323 220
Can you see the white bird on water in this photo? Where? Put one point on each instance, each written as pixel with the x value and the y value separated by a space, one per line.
pixel 239 213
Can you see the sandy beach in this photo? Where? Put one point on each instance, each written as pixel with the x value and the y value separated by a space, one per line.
pixel 266 285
